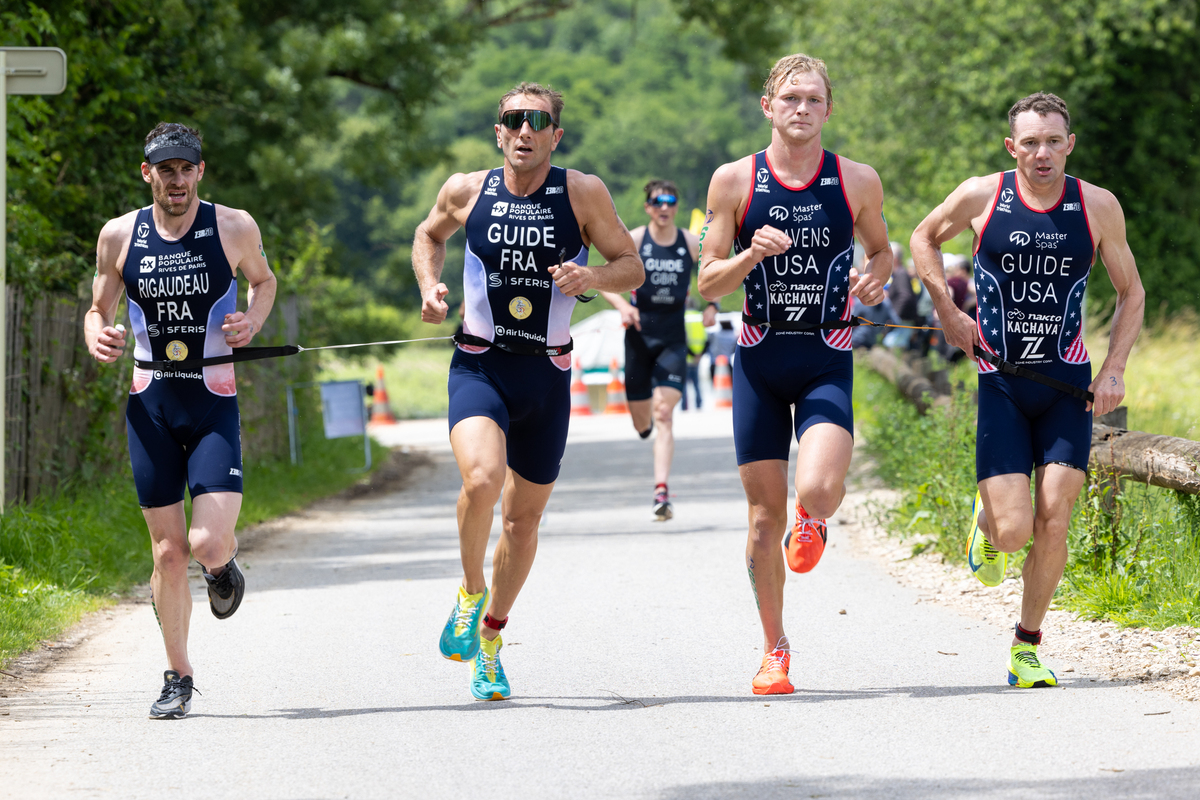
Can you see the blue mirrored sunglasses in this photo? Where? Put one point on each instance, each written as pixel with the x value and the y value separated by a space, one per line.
pixel 662 200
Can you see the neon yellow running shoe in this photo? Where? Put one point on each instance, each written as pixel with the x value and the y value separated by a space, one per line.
pixel 986 562
pixel 1025 671
pixel 488 681
pixel 460 637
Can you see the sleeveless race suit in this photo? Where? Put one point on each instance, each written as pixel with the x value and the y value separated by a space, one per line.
pixel 183 426
pixel 1031 269
pixel 775 369
pixel 657 355
pixel 510 297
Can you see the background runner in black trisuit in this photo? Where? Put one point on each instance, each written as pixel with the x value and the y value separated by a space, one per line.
pixel 655 335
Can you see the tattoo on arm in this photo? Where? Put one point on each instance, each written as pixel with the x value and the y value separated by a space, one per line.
pixel 1114 380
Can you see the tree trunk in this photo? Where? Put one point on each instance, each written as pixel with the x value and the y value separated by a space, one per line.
pixel 1164 461
pixel 915 387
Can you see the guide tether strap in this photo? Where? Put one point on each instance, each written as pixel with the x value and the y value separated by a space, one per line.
pixel 240 354
pixel 1010 368
pixel 788 325
pixel 516 347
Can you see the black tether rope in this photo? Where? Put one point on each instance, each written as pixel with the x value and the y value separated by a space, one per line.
pixel 1009 368
pixel 515 347
pixel 256 353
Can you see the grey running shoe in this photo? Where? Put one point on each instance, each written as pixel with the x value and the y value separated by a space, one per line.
pixel 225 591
pixel 662 504
pixel 176 697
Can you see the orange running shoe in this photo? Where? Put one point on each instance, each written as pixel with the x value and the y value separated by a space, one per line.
pixel 772 677
pixel 805 542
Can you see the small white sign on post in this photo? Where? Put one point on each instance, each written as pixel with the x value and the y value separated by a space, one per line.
pixel 342 407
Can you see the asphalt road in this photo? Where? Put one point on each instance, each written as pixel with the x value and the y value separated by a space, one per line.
pixel 630 652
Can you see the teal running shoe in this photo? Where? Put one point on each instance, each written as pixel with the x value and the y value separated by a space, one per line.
pixel 1025 671
pixel 488 681
pixel 986 562
pixel 460 637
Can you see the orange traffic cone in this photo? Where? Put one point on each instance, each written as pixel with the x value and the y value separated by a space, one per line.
pixel 616 392
pixel 381 412
pixel 722 384
pixel 580 405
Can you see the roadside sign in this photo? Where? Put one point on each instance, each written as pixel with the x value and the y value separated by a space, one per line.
pixel 34 70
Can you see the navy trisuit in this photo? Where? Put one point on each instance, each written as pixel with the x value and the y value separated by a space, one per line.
pixel 510 297
pixel 774 369
pixel 1031 269
pixel 183 425
pixel 657 354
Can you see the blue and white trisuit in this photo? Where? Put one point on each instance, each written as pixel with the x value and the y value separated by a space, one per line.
pixel 183 426
pixel 510 297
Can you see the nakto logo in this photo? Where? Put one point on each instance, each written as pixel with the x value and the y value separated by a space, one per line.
pixel 1006 196
pixel 779 212
pixel 1019 238
pixel 778 286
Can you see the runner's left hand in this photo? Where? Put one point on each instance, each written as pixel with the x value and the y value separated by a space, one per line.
pixel 239 329
pixel 1109 391
pixel 866 287
pixel 571 279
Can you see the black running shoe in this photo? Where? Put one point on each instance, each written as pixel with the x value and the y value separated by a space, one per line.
pixel 225 591
pixel 176 697
pixel 662 504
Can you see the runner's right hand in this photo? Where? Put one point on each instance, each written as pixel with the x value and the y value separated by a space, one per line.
pixel 768 241
pixel 109 344
pixel 433 304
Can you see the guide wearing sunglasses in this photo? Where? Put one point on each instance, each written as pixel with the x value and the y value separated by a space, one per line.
pixel 529 226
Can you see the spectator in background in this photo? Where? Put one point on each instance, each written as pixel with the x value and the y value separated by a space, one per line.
pixel 904 289
pixel 962 291
pixel 695 322
pixel 723 342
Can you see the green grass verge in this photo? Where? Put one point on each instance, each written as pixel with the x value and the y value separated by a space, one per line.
pixel 1135 560
pixel 68 554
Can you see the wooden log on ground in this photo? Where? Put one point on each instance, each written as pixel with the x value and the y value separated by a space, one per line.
pixel 912 385
pixel 1165 461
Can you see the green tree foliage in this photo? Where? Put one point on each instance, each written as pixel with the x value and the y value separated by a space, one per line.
pixel 922 91
pixel 271 84
pixel 647 96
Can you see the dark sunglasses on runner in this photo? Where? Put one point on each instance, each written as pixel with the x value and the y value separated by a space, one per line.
pixel 662 200
pixel 513 120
